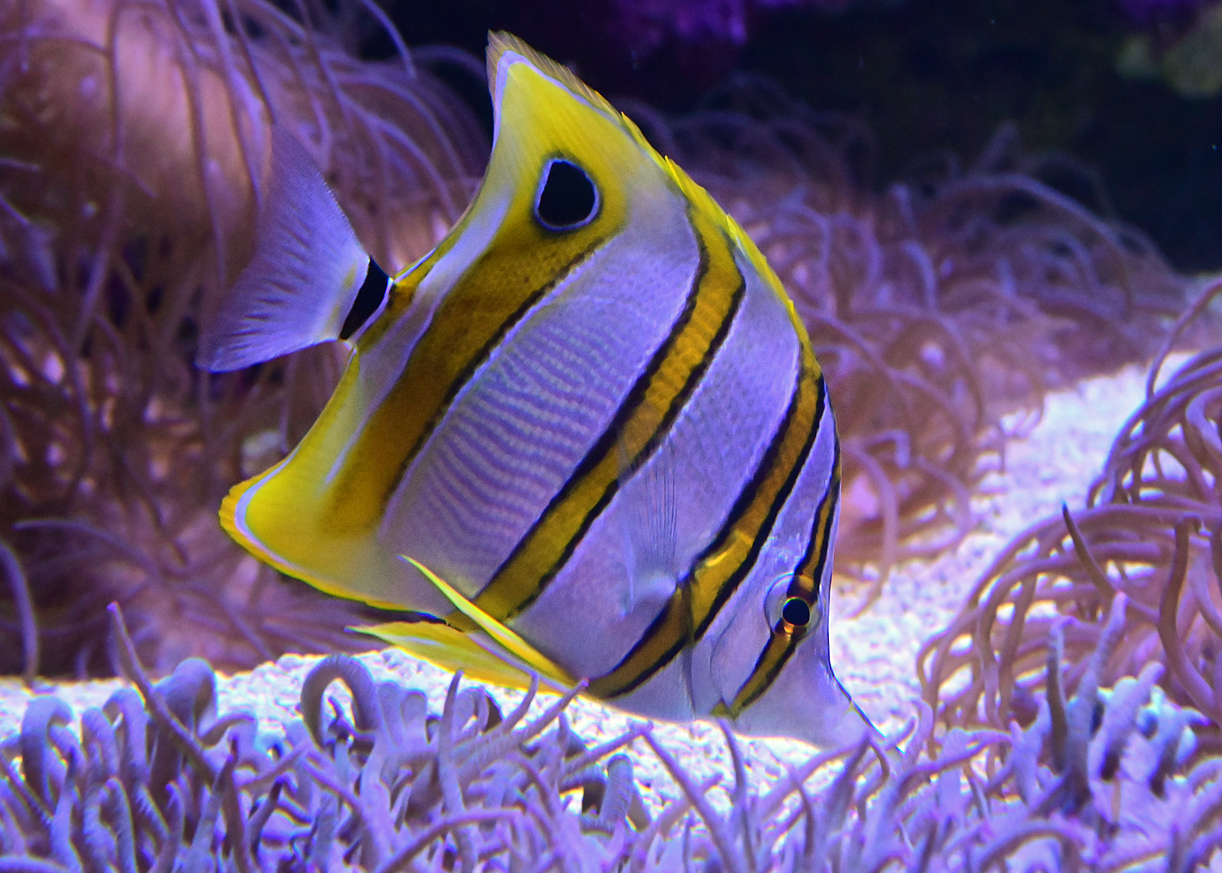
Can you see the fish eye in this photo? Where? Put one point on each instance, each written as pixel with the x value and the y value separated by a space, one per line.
pixel 567 198
pixel 785 609
pixel 369 300
pixel 795 612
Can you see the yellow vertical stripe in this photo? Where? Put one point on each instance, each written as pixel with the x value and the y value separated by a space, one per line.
pixel 804 584
pixel 727 560
pixel 647 411
pixel 494 293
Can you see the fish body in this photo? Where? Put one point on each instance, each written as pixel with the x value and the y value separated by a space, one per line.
pixel 589 418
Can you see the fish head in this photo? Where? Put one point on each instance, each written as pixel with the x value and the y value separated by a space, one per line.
pixel 770 666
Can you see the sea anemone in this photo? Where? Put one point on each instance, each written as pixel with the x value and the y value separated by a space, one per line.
pixel 158 779
pixel 1151 531
pixel 133 142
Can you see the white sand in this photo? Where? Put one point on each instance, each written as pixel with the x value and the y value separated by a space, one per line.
pixel 874 654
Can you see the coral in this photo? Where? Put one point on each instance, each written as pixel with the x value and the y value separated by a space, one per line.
pixel 133 140
pixel 934 308
pixel 157 779
pixel 1152 531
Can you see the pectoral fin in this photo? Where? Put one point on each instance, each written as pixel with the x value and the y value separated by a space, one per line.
pixel 453 650
pixel 493 651
pixel 651 532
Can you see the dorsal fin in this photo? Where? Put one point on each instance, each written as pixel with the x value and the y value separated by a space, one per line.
pixel 500 42
pixel 307 269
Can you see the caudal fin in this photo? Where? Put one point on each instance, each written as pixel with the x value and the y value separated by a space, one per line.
pixel 305 276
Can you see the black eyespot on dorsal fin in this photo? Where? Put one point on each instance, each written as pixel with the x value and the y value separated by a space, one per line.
pixel 368 300
pixel 567 197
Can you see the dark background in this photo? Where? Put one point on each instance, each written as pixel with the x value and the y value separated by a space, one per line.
pixel 926 77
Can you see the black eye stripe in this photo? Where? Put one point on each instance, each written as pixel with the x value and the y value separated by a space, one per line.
pixel 368 299
pixel 567 198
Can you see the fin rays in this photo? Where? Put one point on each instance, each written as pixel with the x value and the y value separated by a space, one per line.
pixel 286 299
pixel 651 532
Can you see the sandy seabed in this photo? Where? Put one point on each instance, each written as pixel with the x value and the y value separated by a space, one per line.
pixel 873 653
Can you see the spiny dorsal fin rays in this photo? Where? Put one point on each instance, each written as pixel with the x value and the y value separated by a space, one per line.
pixel 500 43
pixel 307 270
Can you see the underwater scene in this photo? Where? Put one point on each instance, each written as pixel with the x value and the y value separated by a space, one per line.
pixel 625 435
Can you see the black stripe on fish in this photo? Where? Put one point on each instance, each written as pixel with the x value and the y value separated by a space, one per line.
pixel 477 360
pixel 778 501
pixel 504 596
pixel 782 642
pixel 368 300
pixel 819 546
pixel 676 626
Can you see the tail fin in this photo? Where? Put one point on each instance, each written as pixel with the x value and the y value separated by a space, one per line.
pixel 305 276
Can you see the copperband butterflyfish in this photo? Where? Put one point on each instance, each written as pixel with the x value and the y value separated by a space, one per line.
pixel 587 430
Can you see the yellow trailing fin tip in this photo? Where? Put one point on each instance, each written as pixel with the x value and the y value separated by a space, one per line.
pixel 452 650
pixel 516 648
